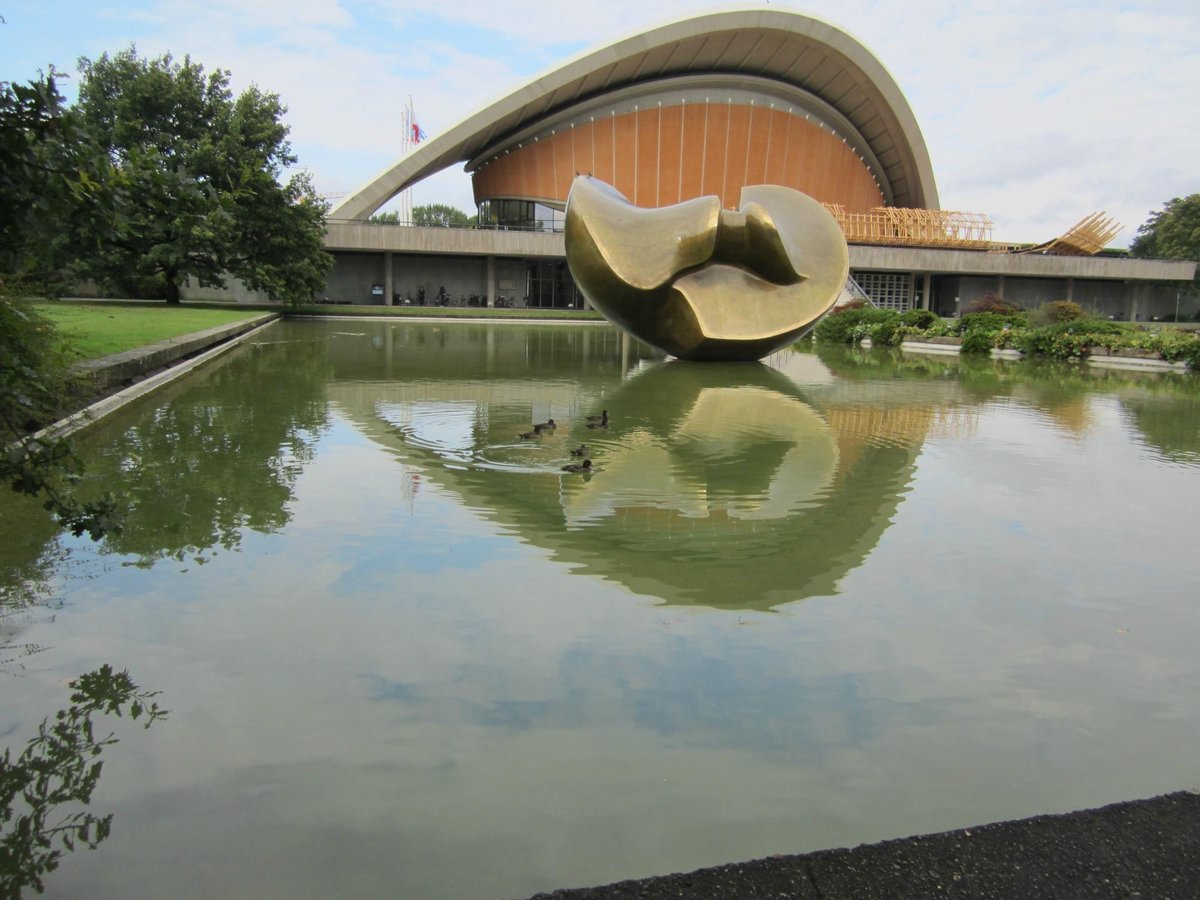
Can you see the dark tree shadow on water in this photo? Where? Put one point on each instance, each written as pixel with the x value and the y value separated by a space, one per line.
pixel 44 787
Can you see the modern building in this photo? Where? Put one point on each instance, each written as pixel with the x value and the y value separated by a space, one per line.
pixel 702 107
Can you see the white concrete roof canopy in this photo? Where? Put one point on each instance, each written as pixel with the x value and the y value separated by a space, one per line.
pixel 794 49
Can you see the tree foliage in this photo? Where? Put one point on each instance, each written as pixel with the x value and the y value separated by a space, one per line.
pixel 200 193
pixel 1171 233
pixel 52 185
pixel 49 185
pixel 441 215
pixel 34 385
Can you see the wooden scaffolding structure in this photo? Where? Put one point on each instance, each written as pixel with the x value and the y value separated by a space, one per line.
pixel 1087 237
pixel 895 226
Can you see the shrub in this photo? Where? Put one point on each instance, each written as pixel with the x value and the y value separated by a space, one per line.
pixel 918 318
pixel 991 321
pixel 991 303
pixel 978 340
pixel 844 325
pixel 1063 340
pixel 885 331
pixel 1057 311
pixel 34 377
pixel 1191 354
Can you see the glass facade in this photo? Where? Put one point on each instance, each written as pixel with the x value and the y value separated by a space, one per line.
pixel 520 215
pixel 550 285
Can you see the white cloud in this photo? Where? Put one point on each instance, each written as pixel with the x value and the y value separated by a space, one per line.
pixel 1036 114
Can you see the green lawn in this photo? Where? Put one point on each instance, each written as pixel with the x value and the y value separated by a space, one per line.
pixel 98 329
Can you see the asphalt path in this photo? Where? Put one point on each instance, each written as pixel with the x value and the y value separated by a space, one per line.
pixel 1140 849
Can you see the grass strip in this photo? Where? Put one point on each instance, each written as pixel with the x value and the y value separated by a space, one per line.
pixel 100 329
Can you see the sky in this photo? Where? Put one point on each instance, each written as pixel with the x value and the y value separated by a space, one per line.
pixel 1034 113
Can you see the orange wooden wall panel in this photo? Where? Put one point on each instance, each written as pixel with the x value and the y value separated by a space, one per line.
pixel 756 146
pixel 668 154
pixel 669 166
pixel 624 131
pixel 776 135
pixel 712 158
pixel 564 166
pixel 692 151
pixel 646 162
pixel 737 140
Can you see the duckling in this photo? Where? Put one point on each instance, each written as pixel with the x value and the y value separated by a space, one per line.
pixel 529 435
pixel 548 425
pixel 582 450
pixel 585 466
pixel 603 417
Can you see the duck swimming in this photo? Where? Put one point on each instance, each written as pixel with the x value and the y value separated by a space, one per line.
pixel 601 422
pixel 603 417
pixel 529 435
pixel 548 425
pixel 585 466
pixel 582 450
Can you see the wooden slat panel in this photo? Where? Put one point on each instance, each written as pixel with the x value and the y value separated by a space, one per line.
pixel 669 174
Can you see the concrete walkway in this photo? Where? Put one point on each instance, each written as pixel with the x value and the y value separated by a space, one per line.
pixel 1145 849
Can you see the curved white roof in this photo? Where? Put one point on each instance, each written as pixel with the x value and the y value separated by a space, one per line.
pixel 797 50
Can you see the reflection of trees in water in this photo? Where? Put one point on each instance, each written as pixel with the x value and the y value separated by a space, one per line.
pixel 1164 405
pixel 30 552
pixel 1170 423
pixel 217 455
pixel 42 788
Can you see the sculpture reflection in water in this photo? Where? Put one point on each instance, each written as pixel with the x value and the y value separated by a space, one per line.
pixel 705 283
pixel 720 485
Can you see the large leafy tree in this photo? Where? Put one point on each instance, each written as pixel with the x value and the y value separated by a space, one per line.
pixel 1171 233
pixel 203 194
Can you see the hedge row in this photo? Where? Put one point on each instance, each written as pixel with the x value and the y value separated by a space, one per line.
pixel 983 331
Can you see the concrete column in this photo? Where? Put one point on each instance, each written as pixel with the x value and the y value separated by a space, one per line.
pixel 387 278
pixel 1000 286
pixel 1070 288
pixel 926 289
pixel 491 281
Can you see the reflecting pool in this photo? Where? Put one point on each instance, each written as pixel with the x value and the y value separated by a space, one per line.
pixel 832 598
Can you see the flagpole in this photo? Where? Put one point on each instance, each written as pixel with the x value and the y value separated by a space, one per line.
pixel 407 143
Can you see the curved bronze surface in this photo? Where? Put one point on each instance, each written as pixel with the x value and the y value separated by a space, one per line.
pixel 703 283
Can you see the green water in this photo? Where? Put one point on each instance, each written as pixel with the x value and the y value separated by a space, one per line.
pixel 834 598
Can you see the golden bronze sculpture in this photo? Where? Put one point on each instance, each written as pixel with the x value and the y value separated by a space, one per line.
pixel 705 283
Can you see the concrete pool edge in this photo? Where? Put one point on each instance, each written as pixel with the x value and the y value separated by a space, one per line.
pixel 1139 848
pixel 174 357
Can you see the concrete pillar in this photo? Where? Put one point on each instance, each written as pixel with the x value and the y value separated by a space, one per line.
pixel 1000 286
pixel 926 289
pixel 1070 288
pixel 387 278
pixel 491 281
